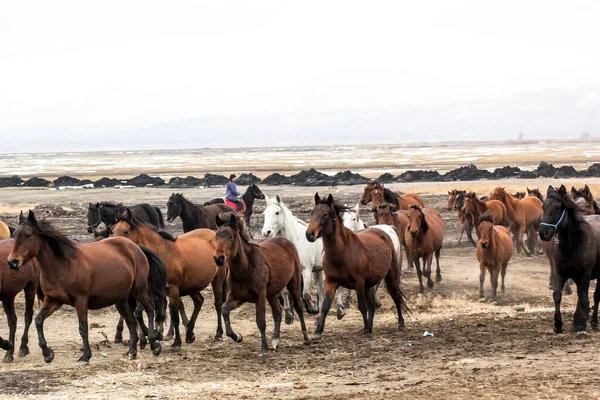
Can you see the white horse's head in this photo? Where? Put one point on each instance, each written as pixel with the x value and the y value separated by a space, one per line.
pixel 274 217
pixel 352 221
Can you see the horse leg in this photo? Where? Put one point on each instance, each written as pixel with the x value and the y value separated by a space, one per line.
pixel 30 290
pixel 11 317
pixel 174 306
pixel 142 328
pixel 482 270
pixel 438 271
pixel 126 312
pixel 392 284
pixel 419 274
pixel 81 306
pixel 146 304
pixel 361 297
pixel 261 322
pixel 470 233
pixel 567 288
pixel 559 282
pixel 231 304
pixel 293 287
pixel 595 313
pixel 503 273
pixel 287 307
pixel 217 286
pixel 49 306
pixel 198 300
pixel 307 271
pixel 119 333
pixel 184 319
pixel 520 241
pixel 348 301
pixel 409 261
pixel 276 311
pixel 494 280
pixel 340 304
pixel 318 277
pixel 427 270
pixel 462 231
pixel 583 305
pixel 330 288
pixel 371 306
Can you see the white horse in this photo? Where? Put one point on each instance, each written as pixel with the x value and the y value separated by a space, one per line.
pixel 279 221
pixel 352 221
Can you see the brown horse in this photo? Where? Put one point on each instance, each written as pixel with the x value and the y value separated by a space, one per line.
pixel 257 274
pixel 424 238
pixel 376 192
pixel 89 276
pixel 494 251
pixel 397 219
pixel 585 200
pixel 4 231
pixel 525 215
pixel 11 284
pixel 357 261
pixel 193 216
pixel 190 268
pixel 493 208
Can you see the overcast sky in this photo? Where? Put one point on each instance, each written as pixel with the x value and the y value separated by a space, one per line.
pixel 136 63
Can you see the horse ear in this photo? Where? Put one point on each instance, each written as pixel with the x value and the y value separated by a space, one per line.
pixel 562 190
pixel 127 214
pixel 21 218
pixel 278 198
pixel 317 198
pixel 357 209
pixel 233 221
pixel 31 217
pixel 118 215
pixel 329 200
pixel 573 190
pixel 528 191
pixel 218 220
pixel 587 189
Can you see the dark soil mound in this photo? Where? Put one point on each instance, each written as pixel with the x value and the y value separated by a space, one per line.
pixel 214 180
pixel 145 180
pixel 593 170
pixel 312 177
pixel 419 176
pixel 349 178
pixel 545 170
pixel 37 182
pixel 248 179
pixel 70 181
pixel 566 171
pixel 277 179
pixel 189 181
pixel 107 182
pixel 467 173
pixel 386 178
pixel 507 172
pixel 10 181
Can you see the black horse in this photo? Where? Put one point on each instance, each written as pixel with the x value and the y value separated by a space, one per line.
pixel 577 254
pixel 106 211
pixel 252 193
pixel 194 216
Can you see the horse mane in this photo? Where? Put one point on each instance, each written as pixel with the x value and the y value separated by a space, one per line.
pixel 391 197
pixel 574 209
pixel 424 224
pixel 339 209
pixel 61 245
pixel 137 223
pixel 485 217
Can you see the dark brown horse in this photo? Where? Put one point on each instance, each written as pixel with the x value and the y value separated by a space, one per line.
pixel 577 254
pixel 465 219
pixel 189 264
pixel 494 251
pixel 11 284
pixel 585 200
pixel 252 193
pixel 425 238
pixel 397 219
pixel 106 211
pixel 475 208
pixel 193 216
pixel 377 193
pixel 357 261
pixel 257 274
pixel 89 276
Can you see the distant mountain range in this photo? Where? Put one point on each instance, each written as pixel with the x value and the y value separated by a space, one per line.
pixel 547 114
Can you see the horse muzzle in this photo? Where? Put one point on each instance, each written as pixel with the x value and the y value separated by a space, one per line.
pixel 363 202
pixel 414 234
pixel 90 230
pixel 14 264
pixel 484 245
pixel 310 236
pixel 219 260
pixel 546 233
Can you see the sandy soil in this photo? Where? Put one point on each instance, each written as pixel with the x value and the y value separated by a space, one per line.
pixel 479 349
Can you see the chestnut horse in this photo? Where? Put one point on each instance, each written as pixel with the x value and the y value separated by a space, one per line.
pixel 193 216
pixel 376 192
pixel 11 284
pixel 525 215
pixel 494 251
pixel 424 238
pixel 257 274
pixel 585 200
pixel 190 268
pixel 397 219
pixel 465 219
pixel 357 261
pixel 577 254
pixel 90 276
pixel 493 208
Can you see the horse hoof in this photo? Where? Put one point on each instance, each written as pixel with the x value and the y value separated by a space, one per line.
pixel 159 336
pixel 48 358
pixel 274 345
pixel 218 338
pixel 143 343
pixel 83 363
pixel 8 358
pixel 364 332
pixel 429 283
pixel 157 349
pixel 289 319
pixel 567 290
pixel 238 337
pixel 132 356
pixel 190 339
pixel 481 299
pixel 118 340
pixel 438 278
pixel 316 337
pixel 340 313
pixel 263 354
pixel 558 329
pixel 175 349
pixel 23 351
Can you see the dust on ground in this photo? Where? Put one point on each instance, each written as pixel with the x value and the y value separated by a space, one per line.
pixel 479 349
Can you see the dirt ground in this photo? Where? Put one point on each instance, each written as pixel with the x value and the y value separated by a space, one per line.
pixel 479 349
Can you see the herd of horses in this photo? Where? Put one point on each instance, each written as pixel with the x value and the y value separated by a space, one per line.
pixel 139 267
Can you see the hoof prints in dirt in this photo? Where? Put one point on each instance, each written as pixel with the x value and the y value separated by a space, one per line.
pixel 27 382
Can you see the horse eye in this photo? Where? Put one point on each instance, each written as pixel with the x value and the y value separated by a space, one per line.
pixel 325 215
pixel 277 213
pixel 28 235
pixel 231 237
pixel 353 219
pixel 126 233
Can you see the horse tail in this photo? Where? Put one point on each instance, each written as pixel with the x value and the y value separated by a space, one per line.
pixel 157 283
pixel 161 220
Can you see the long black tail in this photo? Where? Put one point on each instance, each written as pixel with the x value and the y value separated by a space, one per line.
pixel 157 283
pixel 161 220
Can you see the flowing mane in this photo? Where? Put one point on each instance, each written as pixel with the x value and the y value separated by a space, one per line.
pixel 339 209
pixel 61 245
pixel 138 223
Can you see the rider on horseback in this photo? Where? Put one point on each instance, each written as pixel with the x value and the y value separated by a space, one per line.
pixel 232 194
